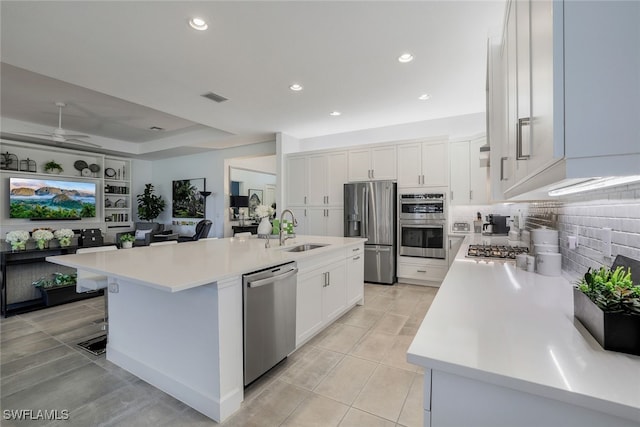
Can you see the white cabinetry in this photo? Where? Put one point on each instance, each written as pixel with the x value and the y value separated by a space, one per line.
pixel 555 131
pixel 355 276
pixel 469 181
pixel 323 289
pixel 315 185
pixel 117 194
pixel 422 270
pixel 423 164
pixel 372 163
pixel 325 221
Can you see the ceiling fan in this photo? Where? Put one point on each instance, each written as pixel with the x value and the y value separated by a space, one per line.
pixel 60 135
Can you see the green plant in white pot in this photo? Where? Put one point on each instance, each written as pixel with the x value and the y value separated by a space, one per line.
pixel 127 241
pixel 53 167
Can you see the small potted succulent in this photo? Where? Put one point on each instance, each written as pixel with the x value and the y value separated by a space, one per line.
pixel 64 236
pixel 18 239
pixel 608 304
pixel 127 241
pixel 53 167
pixel 42 237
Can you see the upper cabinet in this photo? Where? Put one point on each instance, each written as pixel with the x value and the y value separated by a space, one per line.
pixel 316 179
pixel 469 180
pixel 564 99
pixel 423 164
pixel 372 163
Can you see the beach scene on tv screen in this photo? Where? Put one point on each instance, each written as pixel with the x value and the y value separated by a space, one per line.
pixel 49 199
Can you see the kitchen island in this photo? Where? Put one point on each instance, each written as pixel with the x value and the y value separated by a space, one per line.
pixel 175 311
pixel 500 347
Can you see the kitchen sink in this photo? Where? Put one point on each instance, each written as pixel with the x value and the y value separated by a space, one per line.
pixel 305 247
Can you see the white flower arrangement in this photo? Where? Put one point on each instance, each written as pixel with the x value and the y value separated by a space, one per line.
pixel 17 236
pixel 63 232
pixel 263 211
pixel 42 235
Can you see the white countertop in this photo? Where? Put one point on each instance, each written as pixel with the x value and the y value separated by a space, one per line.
pixel 187 265
pixel 498 324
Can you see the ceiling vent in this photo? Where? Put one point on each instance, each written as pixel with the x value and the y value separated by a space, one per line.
pixel 214 97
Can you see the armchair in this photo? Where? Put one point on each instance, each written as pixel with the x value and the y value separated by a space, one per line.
pixel 202 231
pixel 144 233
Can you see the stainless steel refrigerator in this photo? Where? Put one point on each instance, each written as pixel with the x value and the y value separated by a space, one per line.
pixel 370 211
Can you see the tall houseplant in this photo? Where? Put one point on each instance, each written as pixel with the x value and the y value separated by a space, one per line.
pixel 150 206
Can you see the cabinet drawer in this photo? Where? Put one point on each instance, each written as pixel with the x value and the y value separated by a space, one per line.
pixel 421 272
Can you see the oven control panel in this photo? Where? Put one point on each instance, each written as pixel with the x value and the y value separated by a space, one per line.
pixel 424 196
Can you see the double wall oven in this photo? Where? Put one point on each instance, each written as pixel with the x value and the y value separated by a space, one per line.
pixel 423 225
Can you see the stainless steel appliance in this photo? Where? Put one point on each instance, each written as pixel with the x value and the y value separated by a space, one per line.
pixel 423 226
pixel 423 238
pixel 496 225
pixel 422 206
pixel 269 318
pixel 370 211
pixel 506 252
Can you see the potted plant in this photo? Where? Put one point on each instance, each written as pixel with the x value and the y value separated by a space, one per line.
pixel 18 239
pixel 42 237
pixel 127 241
pixel 53 167
pixel 64 236
pixel 264 212
pixel 59 288
pixel 608 304
pixel 150 206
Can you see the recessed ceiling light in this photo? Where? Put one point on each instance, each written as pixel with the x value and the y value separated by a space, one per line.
pixel 198 24
pixel 405 57
pixel 295 87
pixel 424 97
pixel 335 113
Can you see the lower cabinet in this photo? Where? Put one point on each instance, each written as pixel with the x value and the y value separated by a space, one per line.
pixel 355 277
pixel 325 290
pixel 421 270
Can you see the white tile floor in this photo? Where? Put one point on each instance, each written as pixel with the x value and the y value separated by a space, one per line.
pixel 354 373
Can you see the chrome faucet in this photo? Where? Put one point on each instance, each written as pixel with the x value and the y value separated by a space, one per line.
pixel 295 224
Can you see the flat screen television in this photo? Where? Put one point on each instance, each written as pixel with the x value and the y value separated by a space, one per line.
pixel 41 199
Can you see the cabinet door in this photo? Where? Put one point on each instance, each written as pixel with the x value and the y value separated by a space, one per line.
pixel 355 278
pixel 334 293
pixel 542 125
pixel 459 173
pixel 523 85
pixel 316 179
pixel 300 214
pixel 317 221
pixel 409 165
pixel 383 163
pixel 435 164
pixel 508 151
pixel 335 222
pixel 478 176
pixel 336 178
pixel 309 305
pixel 360 165
pixel 296 180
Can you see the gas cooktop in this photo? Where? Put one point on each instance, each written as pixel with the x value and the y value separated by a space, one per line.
pixel 495 251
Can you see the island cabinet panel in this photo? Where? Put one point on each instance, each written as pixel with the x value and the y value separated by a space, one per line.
pixel 334 291
pixel 492 405
pixel 308 305
pixel 355 276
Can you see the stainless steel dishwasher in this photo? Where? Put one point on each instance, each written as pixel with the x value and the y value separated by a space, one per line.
pixel 269 318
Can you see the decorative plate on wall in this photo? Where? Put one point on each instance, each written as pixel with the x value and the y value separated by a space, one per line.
pixel 80 164
pixel 86 172
pixel 110 172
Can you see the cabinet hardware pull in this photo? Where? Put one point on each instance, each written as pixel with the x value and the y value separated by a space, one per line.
pixel 327 199
pixel 471 195
pixel 452 196
pixel 305 200
pixel 449 244
pixel 422 271
pixel 356 249
pixel 422 179
pixel 305 212
pixel 502 159
pixel 419 179
pixel 372 174
pixel 357 258
pixel 328 278
pixel 525 121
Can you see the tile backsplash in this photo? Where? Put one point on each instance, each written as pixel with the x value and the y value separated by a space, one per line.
pixel 583 215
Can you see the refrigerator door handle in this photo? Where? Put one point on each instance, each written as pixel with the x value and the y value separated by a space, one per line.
pixel 365 216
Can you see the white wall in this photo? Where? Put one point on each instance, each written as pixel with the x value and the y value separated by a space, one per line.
pixel 454 127
pixel 209 165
